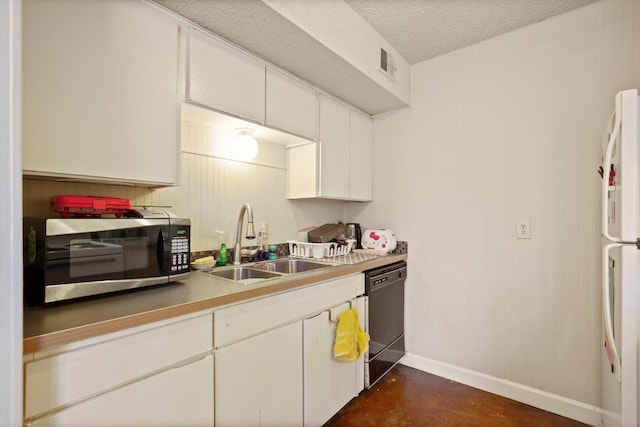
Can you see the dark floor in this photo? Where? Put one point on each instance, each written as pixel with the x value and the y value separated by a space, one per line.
pixel 409 397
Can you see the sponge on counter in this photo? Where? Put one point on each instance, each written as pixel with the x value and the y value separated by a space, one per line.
pixel 351 341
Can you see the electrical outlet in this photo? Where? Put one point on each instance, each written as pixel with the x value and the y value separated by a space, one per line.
pixel 523 229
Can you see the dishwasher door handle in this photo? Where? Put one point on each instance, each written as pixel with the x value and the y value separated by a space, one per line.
pixel 382 285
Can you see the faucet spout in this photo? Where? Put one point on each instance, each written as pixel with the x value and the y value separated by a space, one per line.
pixel 251 232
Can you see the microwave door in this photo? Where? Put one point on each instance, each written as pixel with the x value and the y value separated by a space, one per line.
pixel 83 259
pixel 81 267
pixel 115 257
pixel 141 248
pixel 95 258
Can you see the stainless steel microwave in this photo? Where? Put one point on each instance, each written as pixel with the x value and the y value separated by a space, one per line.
pixel 67 258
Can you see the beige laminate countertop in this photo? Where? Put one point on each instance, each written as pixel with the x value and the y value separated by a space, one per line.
pixel 50 327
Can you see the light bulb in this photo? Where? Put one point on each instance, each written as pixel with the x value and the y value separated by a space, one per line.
pixel 246 146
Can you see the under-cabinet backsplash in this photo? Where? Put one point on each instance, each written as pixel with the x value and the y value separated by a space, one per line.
pixel 210 193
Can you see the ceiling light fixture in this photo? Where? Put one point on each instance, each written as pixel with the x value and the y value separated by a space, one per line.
pixel 246 146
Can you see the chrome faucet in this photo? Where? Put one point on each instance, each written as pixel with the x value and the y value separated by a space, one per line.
pixel 251 232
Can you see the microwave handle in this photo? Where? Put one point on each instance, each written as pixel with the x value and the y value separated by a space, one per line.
pixel 76 261
pixel 160 250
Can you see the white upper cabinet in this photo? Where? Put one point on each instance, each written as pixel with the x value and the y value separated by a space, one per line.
pixel 360 157
pixel 292 106
pixel 100 94
pixel 339 166
pixel 334 149
pixel 302 171
pixel 224 78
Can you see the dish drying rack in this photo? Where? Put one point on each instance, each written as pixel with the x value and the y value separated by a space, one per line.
pixel 319 250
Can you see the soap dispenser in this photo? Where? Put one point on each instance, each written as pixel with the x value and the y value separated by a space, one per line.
pixel 263 248
pixel 222 256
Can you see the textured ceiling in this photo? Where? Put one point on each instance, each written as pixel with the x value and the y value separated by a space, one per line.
pixel 417 29
pixel 422 29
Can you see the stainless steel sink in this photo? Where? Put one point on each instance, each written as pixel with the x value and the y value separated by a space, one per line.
pixel 243 274
pixel 289 266
pixel 266 270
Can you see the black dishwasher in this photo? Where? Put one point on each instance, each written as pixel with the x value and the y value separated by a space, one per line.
pixel 384 288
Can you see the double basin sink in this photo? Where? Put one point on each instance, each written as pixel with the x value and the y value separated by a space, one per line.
pixel 266 270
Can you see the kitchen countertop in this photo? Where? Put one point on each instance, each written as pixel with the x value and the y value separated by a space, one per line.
pixel 50 327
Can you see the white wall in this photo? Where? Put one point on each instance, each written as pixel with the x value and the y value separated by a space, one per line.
pixel 504 130
pixel 211 193
pixel 10 216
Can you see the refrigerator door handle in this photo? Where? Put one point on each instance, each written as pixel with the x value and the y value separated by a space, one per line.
pixel 606 306
pixel 607 165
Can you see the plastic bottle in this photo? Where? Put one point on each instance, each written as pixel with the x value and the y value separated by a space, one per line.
pixel 263 248
pixel 222 255
pixel 264 232
pixel 272 251
pixel 263 252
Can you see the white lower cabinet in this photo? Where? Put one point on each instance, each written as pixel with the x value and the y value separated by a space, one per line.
pixel 258 381
pixel 153 375
pixel 329 384
pixel 181 396
pixel 274 363
pixel 267 362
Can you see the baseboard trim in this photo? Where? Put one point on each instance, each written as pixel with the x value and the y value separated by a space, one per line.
pixel 550 402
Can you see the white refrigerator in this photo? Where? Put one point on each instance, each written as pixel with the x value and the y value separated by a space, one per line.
pixel 621 262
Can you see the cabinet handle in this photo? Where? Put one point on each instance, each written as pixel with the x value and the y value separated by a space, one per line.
pixel 606 306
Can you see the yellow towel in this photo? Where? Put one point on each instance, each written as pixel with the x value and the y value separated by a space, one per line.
pixel 351 341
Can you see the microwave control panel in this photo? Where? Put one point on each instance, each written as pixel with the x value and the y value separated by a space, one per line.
pixel 180 251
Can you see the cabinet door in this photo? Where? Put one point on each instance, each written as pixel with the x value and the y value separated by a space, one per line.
pixel 224 78
pixel 241 321
pixel 177 397
pixel 329 383
pixel 259 381
pixel 302 171
pixel 360 157
pixel 334 149
pixel 291 105
pixel 100 91
pixel 58 380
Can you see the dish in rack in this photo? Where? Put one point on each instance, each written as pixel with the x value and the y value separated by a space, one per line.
pixel 319 250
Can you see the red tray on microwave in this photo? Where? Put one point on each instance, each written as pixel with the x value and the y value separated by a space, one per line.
pixel 89 206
